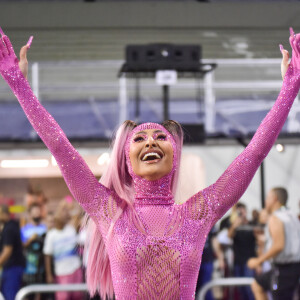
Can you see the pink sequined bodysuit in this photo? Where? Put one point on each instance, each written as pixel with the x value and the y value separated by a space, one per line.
pixel 162 261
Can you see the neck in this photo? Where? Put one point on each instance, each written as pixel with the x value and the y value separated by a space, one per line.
pixel 276 207
pixel 60 226
pixel 5 221
pixel 156 192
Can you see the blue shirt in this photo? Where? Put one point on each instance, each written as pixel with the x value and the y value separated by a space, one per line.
pixel 29 230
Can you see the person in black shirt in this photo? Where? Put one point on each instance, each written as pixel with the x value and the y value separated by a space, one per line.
pixel 11 255
pixel 211 249
pixel 244 245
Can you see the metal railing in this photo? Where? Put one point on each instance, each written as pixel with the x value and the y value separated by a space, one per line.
pixel 46 288
pixel 232 281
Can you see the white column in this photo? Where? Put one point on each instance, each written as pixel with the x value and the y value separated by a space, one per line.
pixel 209 102
pixel 123 100
pixel 35 79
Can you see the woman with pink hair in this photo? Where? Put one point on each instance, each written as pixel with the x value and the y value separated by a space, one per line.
pixel 141 244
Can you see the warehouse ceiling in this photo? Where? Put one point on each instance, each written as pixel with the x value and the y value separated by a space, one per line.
pixel 100 30
pixel 79 48
pixel 110 43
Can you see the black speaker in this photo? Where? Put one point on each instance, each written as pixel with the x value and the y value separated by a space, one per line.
pixel 193 133
pixel 153 57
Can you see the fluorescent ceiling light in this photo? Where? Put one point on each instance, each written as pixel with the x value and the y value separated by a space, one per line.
pixel 53 161
pixel 24 163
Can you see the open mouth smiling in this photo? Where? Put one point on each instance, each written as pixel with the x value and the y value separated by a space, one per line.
pixel 152 156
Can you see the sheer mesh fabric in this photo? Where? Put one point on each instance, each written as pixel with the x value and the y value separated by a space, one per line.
pixel 162 259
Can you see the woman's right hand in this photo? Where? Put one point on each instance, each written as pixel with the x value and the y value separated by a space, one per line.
pixel 8 57
pixel 23 63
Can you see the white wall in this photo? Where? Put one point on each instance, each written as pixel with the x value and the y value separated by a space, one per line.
pixel 281 169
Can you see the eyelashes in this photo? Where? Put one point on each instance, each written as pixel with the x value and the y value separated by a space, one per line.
pixel 139 139
pixel 156 137
pixel 160 137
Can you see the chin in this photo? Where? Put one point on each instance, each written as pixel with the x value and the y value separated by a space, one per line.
pixel 153 174
pixel 152 171
pixel 152 177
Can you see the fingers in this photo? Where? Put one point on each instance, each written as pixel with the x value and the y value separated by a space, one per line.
pixel 9 47
pixel 29 41
pixel 285 54
pixel 293 45
pixel 292 37
pixel 297 43
pixel 281 47
pixel 3 50
pixel 24 49
pixel 292 33
pixel 285 61
pixel 294 42
pixel 23 53
pixel 6 47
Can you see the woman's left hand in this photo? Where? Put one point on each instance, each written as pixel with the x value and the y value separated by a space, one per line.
pixel 295 61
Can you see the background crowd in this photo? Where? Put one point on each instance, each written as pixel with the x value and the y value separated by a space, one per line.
pixel 44 245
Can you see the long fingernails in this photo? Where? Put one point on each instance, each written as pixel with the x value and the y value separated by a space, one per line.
pixel 281 47
pixel 29 42
pixel 1 31
pixel 292 33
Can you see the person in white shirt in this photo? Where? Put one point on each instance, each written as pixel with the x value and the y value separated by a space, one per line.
pixel 282 248
pixel 61 247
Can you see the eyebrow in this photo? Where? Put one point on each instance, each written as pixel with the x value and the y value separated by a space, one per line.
pixel 156 131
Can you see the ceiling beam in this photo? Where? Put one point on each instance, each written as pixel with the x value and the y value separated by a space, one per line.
pixel 131 14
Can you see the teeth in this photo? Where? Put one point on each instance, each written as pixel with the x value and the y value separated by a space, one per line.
pixel 151 154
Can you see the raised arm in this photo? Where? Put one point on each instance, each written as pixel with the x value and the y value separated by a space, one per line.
pixel 79 178
pixel 234 181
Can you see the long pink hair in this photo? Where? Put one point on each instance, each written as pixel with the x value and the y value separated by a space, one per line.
pixel 117 178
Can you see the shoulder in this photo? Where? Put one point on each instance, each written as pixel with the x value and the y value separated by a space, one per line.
pixel 11 225
pixel 275 225
pixel 274 219
pixel 197 207
pixel 52 232
pixel 26 227
pixel 69 228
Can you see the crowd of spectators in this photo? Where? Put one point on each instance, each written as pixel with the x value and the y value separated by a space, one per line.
pixel 45 246
pixel 250 247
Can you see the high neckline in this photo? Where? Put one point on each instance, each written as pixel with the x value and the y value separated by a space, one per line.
pixel 156 192
pixel 140 201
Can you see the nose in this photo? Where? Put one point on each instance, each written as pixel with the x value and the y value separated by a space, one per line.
pixel 150 142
